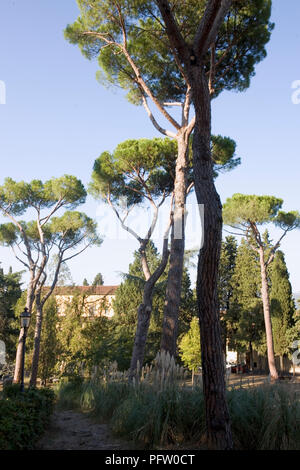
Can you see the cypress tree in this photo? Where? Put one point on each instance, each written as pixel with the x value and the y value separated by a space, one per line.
pixel 282 306
pixel 245 316
pixel 225 288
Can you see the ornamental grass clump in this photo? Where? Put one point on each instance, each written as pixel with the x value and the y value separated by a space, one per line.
pixel 265 418
pixel 157 417
pixel 69 393
pixel 160 409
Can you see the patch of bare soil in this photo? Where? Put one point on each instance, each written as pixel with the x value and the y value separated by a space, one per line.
pixel 71 430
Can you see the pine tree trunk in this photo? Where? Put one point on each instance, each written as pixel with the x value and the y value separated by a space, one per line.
pixel 19 354
pixel 267 316
pixel 174 282
pixel 37 341
pixel 144 314
pixel 217 414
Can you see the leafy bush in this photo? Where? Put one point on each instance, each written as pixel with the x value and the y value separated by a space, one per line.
pixel 23 416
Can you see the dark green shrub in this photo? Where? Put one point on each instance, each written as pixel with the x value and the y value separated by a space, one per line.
pixel 23 416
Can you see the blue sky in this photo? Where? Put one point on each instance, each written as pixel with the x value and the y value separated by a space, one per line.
pixel 57 119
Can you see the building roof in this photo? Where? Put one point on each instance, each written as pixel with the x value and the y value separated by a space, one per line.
pixel 88 290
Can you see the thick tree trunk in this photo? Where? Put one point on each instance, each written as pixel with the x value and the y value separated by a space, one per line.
pixel 174 282
pixel 217 415
pixel 145 309
pixel 19 354
pixel 267 316
pixel 144 314
pixel 37 341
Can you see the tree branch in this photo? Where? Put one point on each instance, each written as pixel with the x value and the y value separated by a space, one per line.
pixel 275 248
pixel 209 25
pixel 125 227
pixel 177 42
pixel 154 122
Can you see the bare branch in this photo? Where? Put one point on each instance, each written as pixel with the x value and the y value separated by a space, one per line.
pixel 172 104
pixel 275 248
pixel 190 187
pixel 19 259
pixel 154 122
pixel 125 227
pixel 44 220
pixel 76 254
pixel 234 233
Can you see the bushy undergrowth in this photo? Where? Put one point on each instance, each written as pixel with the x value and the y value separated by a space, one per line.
pixel 23 416
pixel 153 417
pixel 265 418
pixel 161 412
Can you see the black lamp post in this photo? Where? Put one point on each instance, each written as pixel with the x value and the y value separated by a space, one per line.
pixel 25 320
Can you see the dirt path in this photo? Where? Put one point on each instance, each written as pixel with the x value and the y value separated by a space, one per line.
pixel 70 430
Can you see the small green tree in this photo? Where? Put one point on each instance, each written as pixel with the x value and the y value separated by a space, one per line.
pixel 85 282
pixel 246 213
pixel 49 342
pixel 83 341
pixel 190 349
pixel 10 292
pixel 98 280
pixel 69 334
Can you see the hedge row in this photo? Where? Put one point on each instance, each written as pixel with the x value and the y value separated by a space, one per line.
pixel 24 416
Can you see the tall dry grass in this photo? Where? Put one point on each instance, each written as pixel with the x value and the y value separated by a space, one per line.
pixel 161 408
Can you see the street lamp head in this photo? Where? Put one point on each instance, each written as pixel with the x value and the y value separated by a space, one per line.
pixel 25 318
